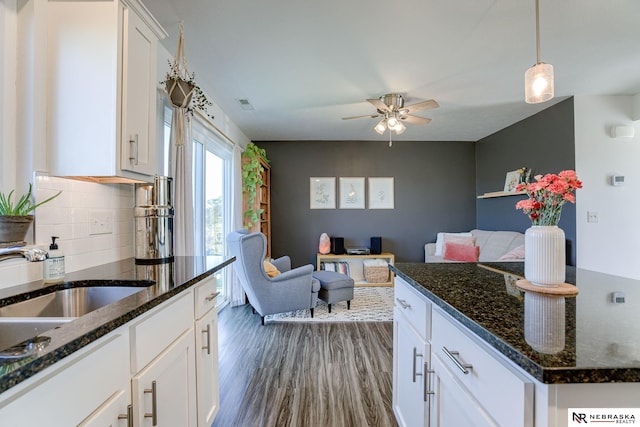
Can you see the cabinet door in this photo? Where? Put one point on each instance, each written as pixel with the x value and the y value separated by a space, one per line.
pixel 164 391
pixel 113 413
pixel 451 403
pixel 138 152
pixel 207 368
pixel 410 361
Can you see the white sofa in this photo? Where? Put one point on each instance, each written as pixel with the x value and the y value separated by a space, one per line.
pixel 493 245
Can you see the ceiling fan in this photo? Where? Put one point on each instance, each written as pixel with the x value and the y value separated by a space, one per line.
pixel 393 112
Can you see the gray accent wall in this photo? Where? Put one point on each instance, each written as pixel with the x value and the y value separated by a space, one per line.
pixel 434 191
pixel 545 143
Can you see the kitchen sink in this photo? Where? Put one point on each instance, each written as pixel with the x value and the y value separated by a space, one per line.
pixel 73 302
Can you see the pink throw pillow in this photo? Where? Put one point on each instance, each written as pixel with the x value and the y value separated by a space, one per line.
pixel 461 252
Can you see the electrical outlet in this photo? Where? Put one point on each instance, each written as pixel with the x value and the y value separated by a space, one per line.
pixel 592 216
pixel 100 222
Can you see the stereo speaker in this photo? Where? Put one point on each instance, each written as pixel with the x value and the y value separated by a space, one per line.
pixel 376 245
pixel 337 245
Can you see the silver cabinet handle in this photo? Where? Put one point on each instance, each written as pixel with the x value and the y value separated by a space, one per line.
pixel 211 297
pixel 403 303
pixel 154 404
pixel 454 356
pixel 426 391
pixel 208 332
pixel 415 356
pixel 133 141
pixel 128 416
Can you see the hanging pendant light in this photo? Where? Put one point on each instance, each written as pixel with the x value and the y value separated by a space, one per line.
pixel 538 80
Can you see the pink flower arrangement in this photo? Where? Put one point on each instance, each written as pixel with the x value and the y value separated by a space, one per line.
pixel 547 196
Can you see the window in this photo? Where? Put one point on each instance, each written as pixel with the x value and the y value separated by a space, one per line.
pixel 212 157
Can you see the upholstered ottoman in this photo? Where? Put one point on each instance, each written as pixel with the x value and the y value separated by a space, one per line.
pixel 334 287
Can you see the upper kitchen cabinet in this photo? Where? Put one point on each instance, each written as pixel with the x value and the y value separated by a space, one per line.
pixel 102 81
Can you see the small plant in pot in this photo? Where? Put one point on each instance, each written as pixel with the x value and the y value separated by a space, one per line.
pixel 16 219
pixel 181 86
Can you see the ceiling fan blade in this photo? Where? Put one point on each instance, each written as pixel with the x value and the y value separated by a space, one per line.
pixel 416 120
pixel 424 105
pixel 379 104
pixel 369 116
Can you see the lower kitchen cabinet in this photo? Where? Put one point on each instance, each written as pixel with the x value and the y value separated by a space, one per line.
pixel 152 371
pixel 411 356
pixel 164 391
pixel 114 412
pixel 206 327
pixel 76 390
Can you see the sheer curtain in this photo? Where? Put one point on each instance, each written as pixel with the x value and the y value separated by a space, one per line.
pixel 236 292
pixel 182 173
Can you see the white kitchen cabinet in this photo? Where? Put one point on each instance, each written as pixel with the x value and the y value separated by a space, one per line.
pixel 114 412
pixel 411 356
pixel 164 392
pixel 102 90
pixel 471 382
pixel 206 330
pixel 75 390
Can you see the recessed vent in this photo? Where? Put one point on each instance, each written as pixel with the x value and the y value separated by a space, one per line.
pixel 245 104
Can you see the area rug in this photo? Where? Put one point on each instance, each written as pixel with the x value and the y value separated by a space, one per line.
pixel 369 304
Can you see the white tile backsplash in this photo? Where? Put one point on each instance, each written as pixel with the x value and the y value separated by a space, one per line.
pixel 67 216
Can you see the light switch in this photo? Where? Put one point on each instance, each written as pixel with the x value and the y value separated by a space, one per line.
pixel 100 222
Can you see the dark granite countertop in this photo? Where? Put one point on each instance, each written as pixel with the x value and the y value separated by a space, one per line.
pixel 157 283
pixel 601 338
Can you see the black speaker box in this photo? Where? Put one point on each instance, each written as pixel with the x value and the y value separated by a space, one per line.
pixel 337 245
pixel 376 245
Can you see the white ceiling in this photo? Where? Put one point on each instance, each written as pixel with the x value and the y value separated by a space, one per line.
pixel 304 64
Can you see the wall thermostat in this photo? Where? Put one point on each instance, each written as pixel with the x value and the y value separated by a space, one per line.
pixel 617 180
pixel 617 297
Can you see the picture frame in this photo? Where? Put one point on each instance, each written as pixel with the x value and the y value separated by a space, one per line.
pixel 352 193
pixel 322 192
pixel 511 181
pixel 381 193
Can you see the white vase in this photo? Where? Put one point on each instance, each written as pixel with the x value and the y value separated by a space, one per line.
pixel 544 322
pixel 544 256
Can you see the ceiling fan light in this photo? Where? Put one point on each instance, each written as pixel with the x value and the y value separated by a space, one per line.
pixel 539 83
pixel 392 122
pixel 381 126
pixel 400 128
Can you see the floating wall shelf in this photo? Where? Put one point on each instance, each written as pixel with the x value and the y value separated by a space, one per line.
pixel 501 194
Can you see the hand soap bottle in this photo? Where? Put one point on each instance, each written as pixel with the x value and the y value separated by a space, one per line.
pixel 54 264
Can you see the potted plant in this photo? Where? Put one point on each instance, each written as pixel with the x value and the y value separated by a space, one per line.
pixel 16 219
pixel 252 180
pixel 181 86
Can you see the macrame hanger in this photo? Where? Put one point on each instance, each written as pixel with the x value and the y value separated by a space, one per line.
pixel 180 59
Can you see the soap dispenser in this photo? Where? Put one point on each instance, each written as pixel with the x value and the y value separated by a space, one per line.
pixel 54 264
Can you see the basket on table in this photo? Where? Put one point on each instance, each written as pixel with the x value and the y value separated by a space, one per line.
pixel 376 270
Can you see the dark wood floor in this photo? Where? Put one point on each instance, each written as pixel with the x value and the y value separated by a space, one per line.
pixel 303 374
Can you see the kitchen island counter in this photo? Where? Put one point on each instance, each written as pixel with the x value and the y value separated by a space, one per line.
pixel 600 336
pixel 157 282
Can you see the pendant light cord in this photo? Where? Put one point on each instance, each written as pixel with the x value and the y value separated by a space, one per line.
pixel 537 32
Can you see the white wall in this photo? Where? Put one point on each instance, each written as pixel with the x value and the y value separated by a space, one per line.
pixel 7 92
pixel 610 245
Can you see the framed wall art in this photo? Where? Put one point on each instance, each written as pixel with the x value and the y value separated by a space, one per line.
pixel 322 193
pixel 351 193
pixel 381 194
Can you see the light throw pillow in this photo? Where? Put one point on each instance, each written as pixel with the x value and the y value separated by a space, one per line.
pixel 270 269
pixel 461 252
pixel 440 241
pixel 515 253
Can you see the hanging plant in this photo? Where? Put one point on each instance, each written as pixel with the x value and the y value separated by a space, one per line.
pixel 252 180
pixel 181 86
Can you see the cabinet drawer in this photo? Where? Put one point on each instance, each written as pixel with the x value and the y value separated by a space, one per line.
pixel 205 298
pixel 504 393
pixel 154 331
pixel 413 306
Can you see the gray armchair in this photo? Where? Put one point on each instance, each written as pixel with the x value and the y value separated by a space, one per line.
pixel 291 290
